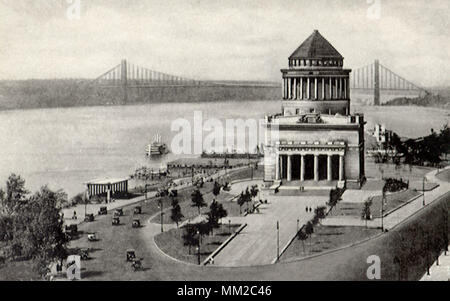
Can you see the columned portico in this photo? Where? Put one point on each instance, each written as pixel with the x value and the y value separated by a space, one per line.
pixel 317 162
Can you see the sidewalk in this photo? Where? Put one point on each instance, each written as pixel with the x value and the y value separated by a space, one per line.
pixel 439 272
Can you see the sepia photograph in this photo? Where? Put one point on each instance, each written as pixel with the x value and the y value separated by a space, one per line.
pixel 233 143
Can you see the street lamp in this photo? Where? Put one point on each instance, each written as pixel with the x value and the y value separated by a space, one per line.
pixel 229 226
pixel 161 207
pixel 198 248
pixel 297 225
pixel 278 241
pixel 423 191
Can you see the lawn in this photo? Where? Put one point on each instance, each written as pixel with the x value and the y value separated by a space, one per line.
pixel 327 238
pixel 393 200
pixel 191 212
pixel 444 175
pixel 171 243
pixel 389 170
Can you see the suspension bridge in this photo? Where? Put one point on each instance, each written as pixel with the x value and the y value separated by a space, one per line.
pixel 377 83
pixel 373 84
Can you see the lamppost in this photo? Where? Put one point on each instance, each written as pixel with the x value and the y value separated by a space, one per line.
pixel 423 191
pixel 278 241
pixel 229 226
pixel 161 207
pixel 383 200
pixel 297 225
pixel 198 248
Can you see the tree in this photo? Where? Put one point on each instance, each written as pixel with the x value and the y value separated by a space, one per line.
pixel 309 230
pixel 197 200
pixel 248 197
pixel 335 197
pixel 216 189
pixel 215 213
pixel 190 236
pixel 241 201
pixel 14 196
pixel 366 215
pixel 301 235
pixel 38 230
pixel 319 214
pixel 176 214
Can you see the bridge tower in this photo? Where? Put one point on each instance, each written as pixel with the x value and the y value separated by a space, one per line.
pixel 124 80
pixel 376 85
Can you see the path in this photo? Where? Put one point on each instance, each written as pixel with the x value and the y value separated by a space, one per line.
pixel 257 243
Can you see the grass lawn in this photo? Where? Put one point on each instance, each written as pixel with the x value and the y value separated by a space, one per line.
pixel 185 201
pixel 389 170
pixel 444 175
pixel 171 243
pixel 327 238
pixel 393 201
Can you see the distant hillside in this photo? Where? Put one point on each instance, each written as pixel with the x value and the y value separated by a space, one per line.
pixel 440 99
pixel 28 94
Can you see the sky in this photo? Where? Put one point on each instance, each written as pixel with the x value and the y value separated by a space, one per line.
pixel 220 40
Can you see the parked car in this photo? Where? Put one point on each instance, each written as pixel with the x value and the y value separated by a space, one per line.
pixel 137 210
pixel 89 217
pixel 71 230
pixel 136 223
pixel 84 254
pixel 103 210
pixel 136 265
pixel 92 237
pixel 131 254
pixel 118 212
pixel 115 221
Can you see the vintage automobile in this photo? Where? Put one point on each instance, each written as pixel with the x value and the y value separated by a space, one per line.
pixel 131 254
pixel 137 210
pixel 89 217
pixel 84 254
pixel 137 264
pixel 115 221
pixel 118 212
pixel 103 210
pixel 92 236
pixel 71 230
pixel 136 223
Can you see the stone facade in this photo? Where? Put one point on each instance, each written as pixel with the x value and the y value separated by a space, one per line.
pixel 315 138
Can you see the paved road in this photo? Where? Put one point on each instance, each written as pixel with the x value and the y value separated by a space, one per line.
pixel 257 243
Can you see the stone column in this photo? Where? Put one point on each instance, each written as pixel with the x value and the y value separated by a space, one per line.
pixel 337 95
pixel 331 89
pixel 345 88
pixel 316 89
pixel 316 168
pixel 302 168
pixel 289 168
pixel 341 168
pixel 289 88
pixel 323 88
pixel 283 88
pixel 308 88
pixel 277 167
pixel 301 87
pixel 295 88
pixel 329 166
pixel 281 167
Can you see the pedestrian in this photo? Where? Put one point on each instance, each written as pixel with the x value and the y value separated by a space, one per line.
pixel 310 209
pixel 306 208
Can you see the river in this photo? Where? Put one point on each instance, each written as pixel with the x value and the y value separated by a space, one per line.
pixel 66 147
